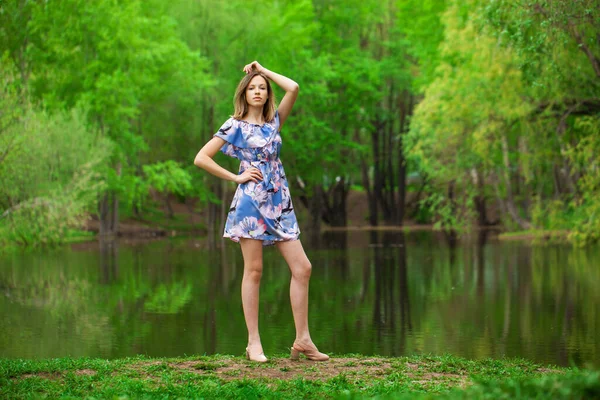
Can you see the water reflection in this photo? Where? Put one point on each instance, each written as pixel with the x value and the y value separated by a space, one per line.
pixel 391 305
pixel 375 292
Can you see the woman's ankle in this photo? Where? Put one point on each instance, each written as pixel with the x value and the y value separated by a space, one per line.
pixel 305 339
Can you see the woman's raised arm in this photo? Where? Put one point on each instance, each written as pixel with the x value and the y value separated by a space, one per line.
pixel 291 89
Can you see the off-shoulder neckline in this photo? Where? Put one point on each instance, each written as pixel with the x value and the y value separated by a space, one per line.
pixel 271 122
pixel 251 123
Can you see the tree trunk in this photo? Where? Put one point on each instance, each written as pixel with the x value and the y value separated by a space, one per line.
pixel 510 202
pixel 390 172
pixel 379 141
pixel 316 212
pixel 377 181
pixel 213 217
pixel 334 201
pixel 401 186
pixel 115 213
pixel 372 200
pixel 406 107
pixel 508 208
pixel 525 192
pixel 224 209
pixel 451 197
pixel 370 195
pixel 115 205
pixel 170 214
pixel 557 184
pixel 480 200
pixel 108 210
pixel 103 215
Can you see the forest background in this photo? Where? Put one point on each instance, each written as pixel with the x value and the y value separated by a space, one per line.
pixel 437 111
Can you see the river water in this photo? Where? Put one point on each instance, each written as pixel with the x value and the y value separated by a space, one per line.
pixel 374 293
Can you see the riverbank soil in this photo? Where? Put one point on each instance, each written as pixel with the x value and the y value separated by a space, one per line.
pixel 189 219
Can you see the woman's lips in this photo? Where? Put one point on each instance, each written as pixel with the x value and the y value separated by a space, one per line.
pixel 257 98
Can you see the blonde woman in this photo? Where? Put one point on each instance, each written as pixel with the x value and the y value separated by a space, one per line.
pixel 262 212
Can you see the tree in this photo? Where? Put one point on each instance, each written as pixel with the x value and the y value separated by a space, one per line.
pixel 121 61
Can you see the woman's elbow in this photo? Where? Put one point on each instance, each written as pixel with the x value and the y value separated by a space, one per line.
pixel 295 88
pixel 199 161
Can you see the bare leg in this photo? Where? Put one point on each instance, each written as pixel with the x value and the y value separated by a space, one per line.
pixel 252 251
pixel 301 268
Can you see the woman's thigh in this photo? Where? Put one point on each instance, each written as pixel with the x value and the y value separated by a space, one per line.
pixel 293 253
pixel 252 251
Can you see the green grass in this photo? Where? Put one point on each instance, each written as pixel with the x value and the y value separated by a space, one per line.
pixel 537 236
pixel 78 236
pixel 350 377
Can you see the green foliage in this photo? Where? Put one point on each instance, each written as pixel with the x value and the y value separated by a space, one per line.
pixel 572 385
pixel 506 94
pixel 49 171
pixel 124 64
pixel 585 157
pixel 507 119
pixel 468 110
pixel 168 177
pixel 169 299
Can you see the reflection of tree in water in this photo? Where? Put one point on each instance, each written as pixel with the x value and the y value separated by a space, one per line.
pixel 452 241
pixel 168 298
pixel 392 299
pixel 143 285
pixel 108 260
pixel 165 296
pixel 336 243
pixel 221 285
pixel 51 301
pixel 478 299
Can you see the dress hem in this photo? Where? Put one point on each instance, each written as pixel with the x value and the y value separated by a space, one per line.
pixel 266 242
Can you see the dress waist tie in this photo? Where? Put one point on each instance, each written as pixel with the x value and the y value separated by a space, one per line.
pixel 267 173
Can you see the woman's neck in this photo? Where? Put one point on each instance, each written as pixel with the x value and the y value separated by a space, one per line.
pixel 254 115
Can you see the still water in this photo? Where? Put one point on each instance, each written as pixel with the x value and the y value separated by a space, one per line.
pixel 386 293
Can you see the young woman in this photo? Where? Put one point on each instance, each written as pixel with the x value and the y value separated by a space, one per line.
pixel 261 212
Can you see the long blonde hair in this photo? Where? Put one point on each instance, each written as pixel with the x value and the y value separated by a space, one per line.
pixel 241 105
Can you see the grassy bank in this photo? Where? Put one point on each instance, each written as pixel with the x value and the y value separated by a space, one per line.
pixel 349 376
pixel 537 236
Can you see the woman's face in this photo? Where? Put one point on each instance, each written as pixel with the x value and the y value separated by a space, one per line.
pixel 256 92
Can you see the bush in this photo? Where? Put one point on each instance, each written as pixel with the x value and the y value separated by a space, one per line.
pixel 49 171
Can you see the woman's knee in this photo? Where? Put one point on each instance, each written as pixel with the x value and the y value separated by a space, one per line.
pixel 302 270
pixel 253 270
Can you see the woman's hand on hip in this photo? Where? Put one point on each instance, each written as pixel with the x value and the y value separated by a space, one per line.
pixel 255 65
pixel 251 174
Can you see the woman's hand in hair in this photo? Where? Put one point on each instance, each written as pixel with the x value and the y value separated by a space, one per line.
pixel 253 65
pixel 251 174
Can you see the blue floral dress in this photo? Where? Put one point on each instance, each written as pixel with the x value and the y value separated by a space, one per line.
pixel 262 210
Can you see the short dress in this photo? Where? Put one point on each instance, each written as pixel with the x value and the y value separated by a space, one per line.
pixel 263 210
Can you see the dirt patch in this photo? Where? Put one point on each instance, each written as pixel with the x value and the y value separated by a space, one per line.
pixel 43 375
pixel 55 375
pixel 143 369
pixel 549 371
pixel 287 369
pixel 412 366
pixel 85 372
